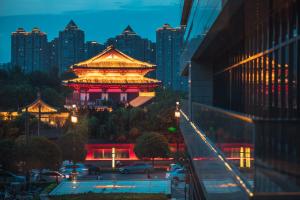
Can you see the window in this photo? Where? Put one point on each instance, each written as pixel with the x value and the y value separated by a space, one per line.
pixel 107 153
pixel 104 96
pixel 123 97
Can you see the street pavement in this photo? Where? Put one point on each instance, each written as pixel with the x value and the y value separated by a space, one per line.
pixel 177 189
pixel 119 176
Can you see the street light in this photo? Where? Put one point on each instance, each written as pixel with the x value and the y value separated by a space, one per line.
pixel 74 118
pixel 177 117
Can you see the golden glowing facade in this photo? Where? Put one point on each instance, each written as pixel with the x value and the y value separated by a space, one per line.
pixel 39 106
pixel 111 75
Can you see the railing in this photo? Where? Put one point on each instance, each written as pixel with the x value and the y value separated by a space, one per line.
pixel 221 149
pixel 230 148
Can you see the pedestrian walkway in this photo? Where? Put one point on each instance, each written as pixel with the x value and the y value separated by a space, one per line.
pixel 179 191
pixel 117 186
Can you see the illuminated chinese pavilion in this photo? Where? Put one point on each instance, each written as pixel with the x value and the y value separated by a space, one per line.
pixel 41 110
pixel 46 113
pixel 111 75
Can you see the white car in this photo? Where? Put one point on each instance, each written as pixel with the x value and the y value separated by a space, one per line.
pixel 51 176
pixel 46 175
pixel 174 166
pixel 176 175
pixel 80 168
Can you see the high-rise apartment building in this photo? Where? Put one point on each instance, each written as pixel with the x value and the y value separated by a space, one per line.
pixel 53 47
pixel 134 45
pixel 169 43
pixel 71 46
pixel 92 48
pixel 29 50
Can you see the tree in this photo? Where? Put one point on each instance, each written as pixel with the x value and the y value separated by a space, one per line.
pixel 6 153
pixel 73 147
pixel 134 133
pixel 46 152
pixel 93 123
pixel 151 145
pixel 53 97
pixel 81 128
pixel 37 153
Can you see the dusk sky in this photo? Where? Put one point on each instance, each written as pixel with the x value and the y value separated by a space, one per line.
pixel 100 19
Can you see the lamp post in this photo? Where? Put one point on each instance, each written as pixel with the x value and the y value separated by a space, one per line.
pixel 74 120
pixel 177 117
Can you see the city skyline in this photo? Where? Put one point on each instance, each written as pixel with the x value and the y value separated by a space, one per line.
pixel 70 47
pixel 97 29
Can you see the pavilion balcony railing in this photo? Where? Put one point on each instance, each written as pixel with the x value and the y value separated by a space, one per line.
pixel 227 153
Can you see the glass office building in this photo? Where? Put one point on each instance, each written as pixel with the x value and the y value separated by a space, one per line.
pixel 241 119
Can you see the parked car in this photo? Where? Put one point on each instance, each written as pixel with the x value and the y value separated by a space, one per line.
pixel 176 175
pixel 7 177
pixel 93 170
pixel 80 168
pixel 175 166
pixel 51 176
pixel 135 168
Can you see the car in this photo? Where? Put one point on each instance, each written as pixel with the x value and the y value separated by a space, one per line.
pixel 93 170
pixel 7 177
pixel 80 168
pixel 176 175
pixel 51 176
pixel 175 166
pixel 135 168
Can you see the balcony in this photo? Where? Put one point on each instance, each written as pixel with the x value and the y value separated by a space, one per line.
pixel 227 152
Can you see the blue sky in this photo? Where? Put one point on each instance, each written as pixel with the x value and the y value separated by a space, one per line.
pixel 100 19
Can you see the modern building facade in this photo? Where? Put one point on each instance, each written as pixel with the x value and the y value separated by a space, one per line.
pixel 123 151
pixel 71 46
pixel 241 120
pixel 134 45
pixel 111 76
pixel 53 49
pixel 92 48
pixel 29 50
pixel 169 43
pixel 5 66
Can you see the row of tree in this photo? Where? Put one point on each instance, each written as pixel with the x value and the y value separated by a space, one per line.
pixel 15 85
pixel 36 152
pixel 126 124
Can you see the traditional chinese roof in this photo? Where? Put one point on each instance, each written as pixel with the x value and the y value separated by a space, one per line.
pixel 39 103
pixel 112 58
pixel 113 80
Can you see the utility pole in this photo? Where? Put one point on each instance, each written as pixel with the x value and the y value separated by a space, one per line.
pixel 26 126
pixel 39 121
